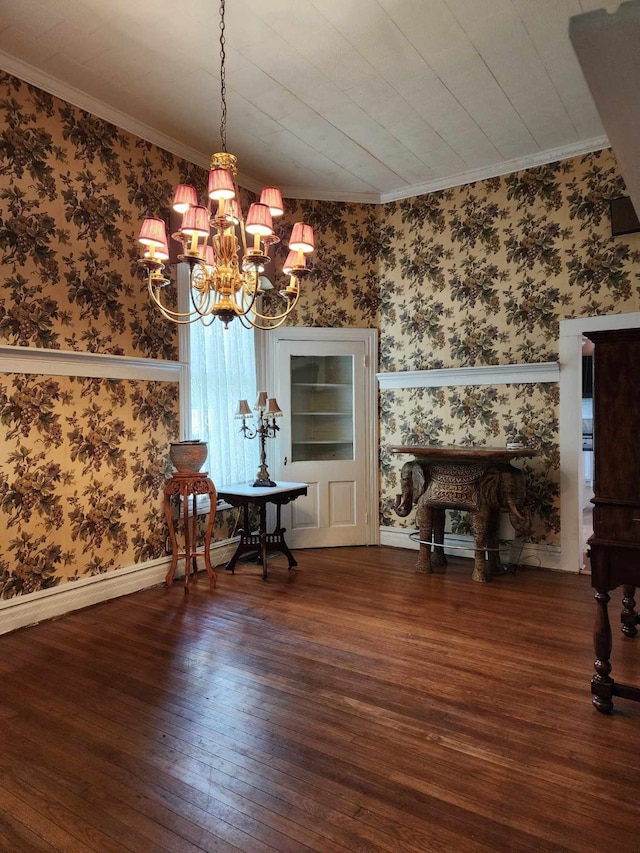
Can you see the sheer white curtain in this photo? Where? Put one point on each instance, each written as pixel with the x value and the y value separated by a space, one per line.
pixel 223 371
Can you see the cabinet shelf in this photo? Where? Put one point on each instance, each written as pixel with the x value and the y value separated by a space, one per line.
pixel 321 408
pixel 325 441
pixel 321 385
pixel 321 414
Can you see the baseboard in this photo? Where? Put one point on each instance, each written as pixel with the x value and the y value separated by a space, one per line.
pixel 45 604
pixel 544 556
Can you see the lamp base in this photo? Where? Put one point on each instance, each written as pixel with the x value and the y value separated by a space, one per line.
pixel 264 483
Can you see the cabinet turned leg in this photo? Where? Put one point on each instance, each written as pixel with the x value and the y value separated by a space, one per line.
pixel 602 683
pixel 629 617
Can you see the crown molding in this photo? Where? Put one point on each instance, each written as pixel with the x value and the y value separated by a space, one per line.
pixel 62 90
pixel 53 85
pixel 494 170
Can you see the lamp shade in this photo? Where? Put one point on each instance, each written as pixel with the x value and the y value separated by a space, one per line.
pixel 261 402
pixel 293 262
pixel 273 409
pixel 232 211
pixel 209 257
pixel 161 252
pixel 301 238
pixel 153 231
pixel 184 197
pixel 221 184
pixel 259 220
pixel 196 221
pixel 272 197
pixel 244 410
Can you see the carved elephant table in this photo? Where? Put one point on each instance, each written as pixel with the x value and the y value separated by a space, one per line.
pixel 479 480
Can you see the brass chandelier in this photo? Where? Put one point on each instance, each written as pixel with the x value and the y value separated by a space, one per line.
pixel 225 266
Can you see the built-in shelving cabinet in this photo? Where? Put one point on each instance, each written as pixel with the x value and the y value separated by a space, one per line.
pixel 322 426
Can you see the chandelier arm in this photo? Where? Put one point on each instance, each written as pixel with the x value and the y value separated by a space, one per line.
pixel 204 308
pixel 263 327
pixel 244 321
pixel 180 317
pixel 283 314
pixel 206 323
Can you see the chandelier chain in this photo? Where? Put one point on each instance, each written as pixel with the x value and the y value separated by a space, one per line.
pixel 223 87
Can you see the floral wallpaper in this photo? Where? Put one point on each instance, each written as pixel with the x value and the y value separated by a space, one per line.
pixel 83 460
pixel 83 463
pixel 476 275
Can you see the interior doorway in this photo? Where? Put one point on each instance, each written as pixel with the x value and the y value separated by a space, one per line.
pixel 587 448
pixel 572 493
pixel 325 381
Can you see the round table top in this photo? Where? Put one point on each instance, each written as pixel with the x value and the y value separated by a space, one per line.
pixel 455 453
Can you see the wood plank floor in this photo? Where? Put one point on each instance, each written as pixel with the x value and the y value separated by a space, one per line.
pixel 352 706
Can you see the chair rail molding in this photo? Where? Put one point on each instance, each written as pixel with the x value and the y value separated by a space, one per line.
pixel 56 362
pixel 484 374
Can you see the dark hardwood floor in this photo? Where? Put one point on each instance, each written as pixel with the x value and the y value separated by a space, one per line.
pixel 354 705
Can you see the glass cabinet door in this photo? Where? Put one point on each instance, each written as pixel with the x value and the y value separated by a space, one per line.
pixel 321 408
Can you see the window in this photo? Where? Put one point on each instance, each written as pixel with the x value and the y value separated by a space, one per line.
pixel 223 371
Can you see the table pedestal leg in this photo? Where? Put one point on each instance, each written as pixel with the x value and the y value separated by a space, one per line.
pixel 186 488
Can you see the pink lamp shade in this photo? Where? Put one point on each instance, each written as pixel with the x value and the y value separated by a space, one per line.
pixel 272 197
pixel 184 197
pixel 153 231
pixel 196 221
pixel 232 211
pixel 221 184
pixel 209 258
pixel 259 220
pixel 161 252
pixel 301 238
pixel 292 261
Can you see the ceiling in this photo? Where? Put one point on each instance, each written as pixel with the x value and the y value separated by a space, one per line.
pixel 360 100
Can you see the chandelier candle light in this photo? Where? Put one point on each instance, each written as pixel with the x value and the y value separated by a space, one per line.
pixel 225 271
pixel 268 410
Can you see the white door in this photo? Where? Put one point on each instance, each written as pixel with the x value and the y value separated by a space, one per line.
pixel 324 382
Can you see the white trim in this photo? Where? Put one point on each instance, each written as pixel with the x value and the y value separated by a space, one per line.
pixel 72 95
pixel 77 98
pixel 55 362
pixel 541 556
pixel 506 167
pixel 45 604
pixel 491 374
pixel 571 463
